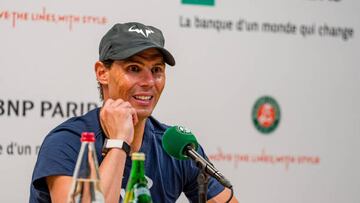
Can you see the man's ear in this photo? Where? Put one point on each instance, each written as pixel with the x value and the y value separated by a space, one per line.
pixel 102 73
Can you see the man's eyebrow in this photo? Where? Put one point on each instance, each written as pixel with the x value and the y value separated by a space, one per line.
pixel 162 63
pixel 134 60
pixel 131 60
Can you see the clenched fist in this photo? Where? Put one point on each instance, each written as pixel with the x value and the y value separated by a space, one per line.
pixel 117 118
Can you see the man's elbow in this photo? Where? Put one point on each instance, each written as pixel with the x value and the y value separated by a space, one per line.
pixel 223 197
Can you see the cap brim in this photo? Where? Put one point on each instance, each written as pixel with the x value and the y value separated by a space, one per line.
pixel 168 58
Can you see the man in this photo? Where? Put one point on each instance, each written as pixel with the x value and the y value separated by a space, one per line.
pixel 131 76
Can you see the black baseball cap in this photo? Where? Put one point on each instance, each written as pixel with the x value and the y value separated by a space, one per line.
pixel 125 40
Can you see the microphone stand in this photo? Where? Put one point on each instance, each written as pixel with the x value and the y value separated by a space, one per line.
pixel 203 177
pixel 203 180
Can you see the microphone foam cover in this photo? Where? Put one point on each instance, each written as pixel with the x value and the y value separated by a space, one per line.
pixel 175 139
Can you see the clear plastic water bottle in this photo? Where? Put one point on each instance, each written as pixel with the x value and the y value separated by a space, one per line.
pixel 85 187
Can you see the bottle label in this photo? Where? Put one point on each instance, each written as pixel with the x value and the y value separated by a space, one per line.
pixel 141 191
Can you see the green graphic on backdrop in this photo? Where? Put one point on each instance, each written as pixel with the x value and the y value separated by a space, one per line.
pixel 266 114
pixel 199 2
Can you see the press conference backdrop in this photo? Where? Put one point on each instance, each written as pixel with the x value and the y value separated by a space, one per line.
pixel 270 88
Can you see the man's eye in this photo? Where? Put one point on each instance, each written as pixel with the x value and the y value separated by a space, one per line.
pixel 156 69
pixel 134 68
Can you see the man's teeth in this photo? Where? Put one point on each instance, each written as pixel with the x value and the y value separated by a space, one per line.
pixel 143 97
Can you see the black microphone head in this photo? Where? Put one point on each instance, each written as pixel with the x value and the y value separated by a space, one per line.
pixel 175 140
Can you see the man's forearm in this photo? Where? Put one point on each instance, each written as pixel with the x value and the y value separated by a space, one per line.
pixel 111 174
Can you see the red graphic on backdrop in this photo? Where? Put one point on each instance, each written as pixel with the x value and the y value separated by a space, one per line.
pixel 44 16
pixel 266 115
pixel 264 158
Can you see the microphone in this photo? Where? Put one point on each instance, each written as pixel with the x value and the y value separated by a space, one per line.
pixel 181 144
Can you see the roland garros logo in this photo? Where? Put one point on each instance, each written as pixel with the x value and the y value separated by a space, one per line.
pixel 266 114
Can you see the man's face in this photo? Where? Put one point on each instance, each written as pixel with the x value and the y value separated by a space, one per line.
pixel 139 80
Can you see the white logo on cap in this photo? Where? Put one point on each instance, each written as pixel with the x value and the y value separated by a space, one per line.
pixel 140 31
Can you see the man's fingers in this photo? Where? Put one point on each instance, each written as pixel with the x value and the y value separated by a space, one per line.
pixel 126 104
pixel 134 116
pixel 116 103
pixel 119 103
pixel 108 102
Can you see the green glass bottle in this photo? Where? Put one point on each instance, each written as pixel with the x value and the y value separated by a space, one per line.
pixel 136 188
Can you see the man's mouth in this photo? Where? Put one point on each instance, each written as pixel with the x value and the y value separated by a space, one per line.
pixel 143 98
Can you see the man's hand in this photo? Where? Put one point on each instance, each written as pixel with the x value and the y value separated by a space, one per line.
pixel 117 118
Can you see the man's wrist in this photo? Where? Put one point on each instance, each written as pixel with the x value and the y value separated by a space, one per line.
pixel 115 143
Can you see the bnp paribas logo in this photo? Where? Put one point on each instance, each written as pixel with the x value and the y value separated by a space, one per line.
pixel 199 2
pixel 266 114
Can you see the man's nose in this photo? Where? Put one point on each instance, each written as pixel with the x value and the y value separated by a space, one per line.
pixel 147 79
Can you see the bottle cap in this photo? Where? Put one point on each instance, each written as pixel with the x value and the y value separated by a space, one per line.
pixel 138 156
pixel 87 137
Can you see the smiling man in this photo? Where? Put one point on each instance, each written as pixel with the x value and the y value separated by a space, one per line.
pixel 131 77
